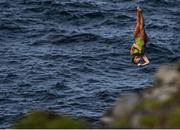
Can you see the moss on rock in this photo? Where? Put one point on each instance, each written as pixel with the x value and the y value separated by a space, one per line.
pixel 150 121
pixel 49 120
pixel 149 104
pixel 123 123
pixel 173 119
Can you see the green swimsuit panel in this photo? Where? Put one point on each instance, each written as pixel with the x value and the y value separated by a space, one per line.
pixel 140 44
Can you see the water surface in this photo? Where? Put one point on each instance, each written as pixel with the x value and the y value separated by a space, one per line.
pixel 72 56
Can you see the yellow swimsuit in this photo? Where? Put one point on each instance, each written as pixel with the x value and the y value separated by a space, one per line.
pixel 141 45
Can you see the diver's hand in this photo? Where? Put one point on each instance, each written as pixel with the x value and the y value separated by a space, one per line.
pixel 139 64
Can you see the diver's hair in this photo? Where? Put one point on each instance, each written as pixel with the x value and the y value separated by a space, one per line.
pixel 133 59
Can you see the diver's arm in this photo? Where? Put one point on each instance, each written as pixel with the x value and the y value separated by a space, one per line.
pixel 132 50
pixel 136 46
pixel 146 61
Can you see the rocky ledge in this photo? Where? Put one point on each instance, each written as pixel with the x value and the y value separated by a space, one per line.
pixel 155 107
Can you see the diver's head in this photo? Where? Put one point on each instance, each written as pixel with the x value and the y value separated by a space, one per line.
pixel 136 59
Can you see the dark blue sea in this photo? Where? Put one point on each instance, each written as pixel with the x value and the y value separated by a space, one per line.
pixel 72 56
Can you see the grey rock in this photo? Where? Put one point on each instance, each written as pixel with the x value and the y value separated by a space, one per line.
pixel 167 84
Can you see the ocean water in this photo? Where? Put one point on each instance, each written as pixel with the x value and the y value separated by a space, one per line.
pixel 72 56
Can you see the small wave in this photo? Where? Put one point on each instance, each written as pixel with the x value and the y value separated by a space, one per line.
pixel 83 69
pixel 157 27
pixel 53 56
pixel 11 27
pixel 158 50
pixel 83 37
pixel 81 5
pixel 104 95
pixel 92 80
pixel 94 15
pixel 61 86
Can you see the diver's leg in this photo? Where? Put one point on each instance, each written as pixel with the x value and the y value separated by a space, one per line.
pixel 142 30
pixel 137 28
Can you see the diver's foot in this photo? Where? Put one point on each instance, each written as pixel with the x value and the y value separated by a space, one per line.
pixel 139 9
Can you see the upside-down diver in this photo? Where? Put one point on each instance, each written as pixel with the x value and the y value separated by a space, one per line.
pixel 141 38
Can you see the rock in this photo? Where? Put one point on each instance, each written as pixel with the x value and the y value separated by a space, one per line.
pixel 161 94
pixel 49 120
pixel 125 105
pixel 122 109
pixel 155 107
pixel 168 76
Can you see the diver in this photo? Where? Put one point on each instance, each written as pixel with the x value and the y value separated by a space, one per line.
pixel 141 38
